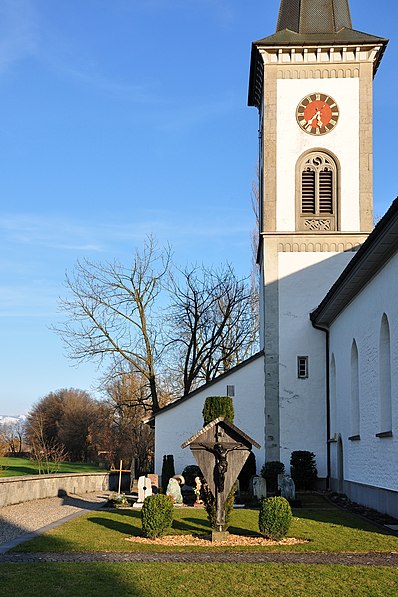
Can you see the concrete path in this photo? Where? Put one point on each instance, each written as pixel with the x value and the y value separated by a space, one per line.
pixel 345 559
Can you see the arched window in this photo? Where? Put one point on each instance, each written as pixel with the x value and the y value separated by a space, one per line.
pixel 385 378
pixel 317 192
pixel 355 412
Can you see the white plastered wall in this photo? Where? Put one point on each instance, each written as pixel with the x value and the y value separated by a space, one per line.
pixel 342 141
pixel 176 425
pixel 371 460
pixel 304 279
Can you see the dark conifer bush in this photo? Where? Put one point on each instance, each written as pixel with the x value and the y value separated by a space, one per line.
pixel 210 505
pixel 303 469
pixel 270 472
pixel 168 470
pixel 156 515
pixel 218 406
pixel 190 472
pixel 274 518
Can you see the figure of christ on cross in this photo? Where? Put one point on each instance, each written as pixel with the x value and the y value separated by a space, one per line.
pixel 221 466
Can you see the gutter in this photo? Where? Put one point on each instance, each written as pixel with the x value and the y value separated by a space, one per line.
pixel 327 368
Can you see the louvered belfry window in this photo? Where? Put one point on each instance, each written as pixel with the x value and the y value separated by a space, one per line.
pixel 318 200
pixel 308 182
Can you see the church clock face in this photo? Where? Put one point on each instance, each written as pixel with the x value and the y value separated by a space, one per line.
pixel 317 114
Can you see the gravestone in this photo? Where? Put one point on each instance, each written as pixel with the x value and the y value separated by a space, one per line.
pixel 288 488
pixel 174 491
pixel 220 450
pixel 144 489
pixel 259 487
pixel 154 482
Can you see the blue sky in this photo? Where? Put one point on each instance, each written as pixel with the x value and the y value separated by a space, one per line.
pixel 124 118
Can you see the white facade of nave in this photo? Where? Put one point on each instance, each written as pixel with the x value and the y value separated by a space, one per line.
pixel 361 315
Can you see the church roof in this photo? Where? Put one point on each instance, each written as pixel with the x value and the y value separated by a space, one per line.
pixel 228 425
pixel 378 248
pixel 344 36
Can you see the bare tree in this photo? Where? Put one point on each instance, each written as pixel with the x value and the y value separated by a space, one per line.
pixel 119 430
pixel 11 436
pixel 79 411
pixel 255 201
pixel 210 323
pixel 47 454
pixel 62 418
pixel 255 244
pixel 3 452
pixel 110 314
pixel 113 312
pixel 48 412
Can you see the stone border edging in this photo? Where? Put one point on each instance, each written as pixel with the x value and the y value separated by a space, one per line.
pixel 314 558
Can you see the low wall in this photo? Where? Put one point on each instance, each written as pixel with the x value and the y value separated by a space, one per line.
pixel 382 500
pixel 14 490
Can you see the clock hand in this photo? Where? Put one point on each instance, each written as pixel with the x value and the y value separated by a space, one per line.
pixel 317 117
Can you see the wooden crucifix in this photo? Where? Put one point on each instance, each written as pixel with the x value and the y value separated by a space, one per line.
pixel 220 450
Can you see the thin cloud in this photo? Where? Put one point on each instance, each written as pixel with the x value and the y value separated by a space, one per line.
pixel 36 299
pixel 48 232
pixel 71 59
pixel 18 32
pixel 186 117
pixel 91 77
pixel 69 234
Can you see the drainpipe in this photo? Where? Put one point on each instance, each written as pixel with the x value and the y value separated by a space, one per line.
pixel 326 331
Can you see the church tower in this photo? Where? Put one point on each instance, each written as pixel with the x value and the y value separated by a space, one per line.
pixel 312 84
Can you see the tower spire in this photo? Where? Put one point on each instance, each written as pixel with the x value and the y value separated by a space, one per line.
pixel 314 16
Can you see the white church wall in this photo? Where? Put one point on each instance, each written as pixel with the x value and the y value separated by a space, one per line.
pixel 304 280
pixel 177 424
pixel 342 141
pixel 371 460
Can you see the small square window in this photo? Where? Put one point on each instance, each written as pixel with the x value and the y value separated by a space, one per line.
pixel 231 391
pixel 302 367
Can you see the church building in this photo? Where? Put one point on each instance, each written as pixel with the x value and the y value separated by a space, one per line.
pixel 326 378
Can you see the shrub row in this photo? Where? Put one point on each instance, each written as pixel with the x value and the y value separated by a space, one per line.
pixel 302 469
pixel 274 518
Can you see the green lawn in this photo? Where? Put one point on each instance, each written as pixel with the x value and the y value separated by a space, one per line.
pixel 12 467
pixel 322 524
pixel 195 580
pixel 325 527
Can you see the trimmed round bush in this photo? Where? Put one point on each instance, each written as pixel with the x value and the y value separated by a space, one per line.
pixel 156 515
pixel 274 518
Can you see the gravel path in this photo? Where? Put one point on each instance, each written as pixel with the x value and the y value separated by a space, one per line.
pixel 22 521
pixel 345 559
